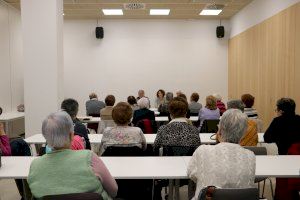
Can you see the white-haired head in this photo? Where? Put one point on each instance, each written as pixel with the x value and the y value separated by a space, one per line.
pixel 143 102
pixel 218 97
pixel 57 129
pixel 233 126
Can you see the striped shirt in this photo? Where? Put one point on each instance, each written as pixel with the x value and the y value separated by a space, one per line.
pixel 251 113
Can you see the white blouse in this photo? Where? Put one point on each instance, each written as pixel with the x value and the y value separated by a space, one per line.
pixel 224 165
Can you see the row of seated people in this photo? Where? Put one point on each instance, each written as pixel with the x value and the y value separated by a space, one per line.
pixel 177 133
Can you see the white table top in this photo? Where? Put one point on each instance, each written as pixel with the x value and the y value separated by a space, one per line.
pixel 159 167
pixel 205 138
pixel 88 119
pixel 119 167
pixel 11 116
pixel 94 139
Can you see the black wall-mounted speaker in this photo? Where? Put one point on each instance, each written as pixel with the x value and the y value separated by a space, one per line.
pixel 99 32
pixel 220 31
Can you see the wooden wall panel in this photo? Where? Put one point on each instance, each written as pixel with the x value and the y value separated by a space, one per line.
pixel 265 62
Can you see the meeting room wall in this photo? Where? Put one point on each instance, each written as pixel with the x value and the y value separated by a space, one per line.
pixel 264 60
pixel 11 74
pixel 173 55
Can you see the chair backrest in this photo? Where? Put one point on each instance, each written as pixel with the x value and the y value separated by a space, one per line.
pixel 177 151
pixel 123 151
pixel 74 196
pixel 147 126
pixel 210 126
pixel 236 194
pixel 258 151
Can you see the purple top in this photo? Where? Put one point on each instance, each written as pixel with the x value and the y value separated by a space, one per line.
pixel 206 113
pixel 4 145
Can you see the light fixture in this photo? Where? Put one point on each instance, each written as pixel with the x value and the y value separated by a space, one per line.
pixel 112 11
pixel 210 12
pixel 159 11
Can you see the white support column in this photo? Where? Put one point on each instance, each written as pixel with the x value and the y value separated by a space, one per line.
pixel 42 26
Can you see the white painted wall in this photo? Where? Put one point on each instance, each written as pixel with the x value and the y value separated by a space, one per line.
pixel 11 69
pixel 134 54
pixel 256 12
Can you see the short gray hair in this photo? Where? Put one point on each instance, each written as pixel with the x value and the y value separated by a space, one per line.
pixel 169 96
pixel 237 104
pixel 56 129
pixel 233 125
pixel 143 102
pixel 218 97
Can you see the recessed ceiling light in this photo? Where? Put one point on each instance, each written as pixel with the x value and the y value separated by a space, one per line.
pixel 159 11
pixel 210 12
pixel 112 11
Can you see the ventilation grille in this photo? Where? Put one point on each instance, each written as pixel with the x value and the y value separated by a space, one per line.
pixel 214 7
pixel 134 6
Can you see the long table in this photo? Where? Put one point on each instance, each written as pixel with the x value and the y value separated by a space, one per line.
pixel 89 119
pixel 96 138
pixel 159 167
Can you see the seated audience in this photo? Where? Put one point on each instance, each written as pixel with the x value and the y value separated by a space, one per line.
pixel 93 106
pixel 248 100
pixel 251 137
pixel 227 164
pixel 177 132
pixel 143 112
pixel 194 106
pixel 210 111
pixel 122 134
pixel 284 130
pixel 64 171
pixel 132 102
pixel 105 113
pixel 163 108
pixel 71 107
pixel 160 98
pixel 141 94
pixel 4 142
pixel 220 104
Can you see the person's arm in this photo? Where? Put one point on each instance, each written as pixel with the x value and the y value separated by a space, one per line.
pixel 192 167
pixel 81 130
pixel 158 139
pixel 271 133
pixel 4 142
pixel 108 182
pixel 144 142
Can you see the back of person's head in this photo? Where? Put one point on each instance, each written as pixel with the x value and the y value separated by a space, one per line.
pixel 287 106
pixel 131 100
pixel 233 126
pixel 169 96
pixel 178 107
pixel 236 104
pixel 70 106
pixel 248 100
pixel 182 96
pixel 110 100
pixel 93 95
pixel 217 96
pixel 141 93
pixel 160 91
pixel 122 113
pixel 56 129
pixel 143 102
pixel 195 97
pixel 211 102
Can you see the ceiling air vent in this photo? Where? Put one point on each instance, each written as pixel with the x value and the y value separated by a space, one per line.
pixel 134 6
pixel 214 7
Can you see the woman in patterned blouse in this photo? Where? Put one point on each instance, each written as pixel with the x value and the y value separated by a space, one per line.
pixel 122 134
pixel 178 132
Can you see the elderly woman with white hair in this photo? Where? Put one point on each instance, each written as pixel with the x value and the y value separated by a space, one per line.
pixel 227 164
pixel 220 104
pixel 64 171
pixel 144 112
